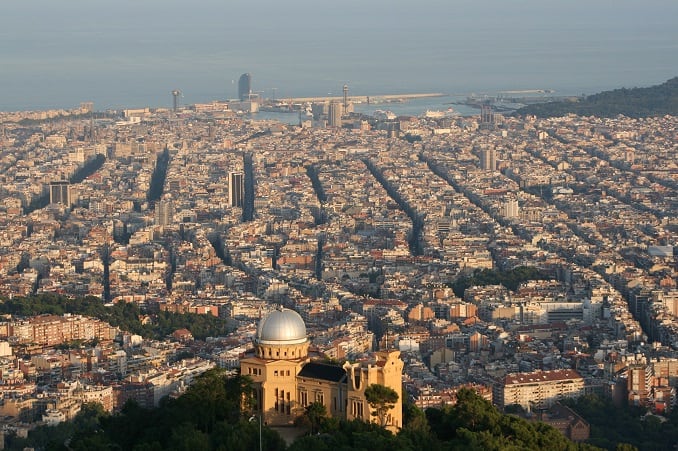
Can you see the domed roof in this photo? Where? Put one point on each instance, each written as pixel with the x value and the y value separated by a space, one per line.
pixel 281 327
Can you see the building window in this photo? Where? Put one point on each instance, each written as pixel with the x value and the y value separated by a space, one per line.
pixel 288 372
pixel 320 397
pixel 357 409
pixel 275 373
pixel 303 395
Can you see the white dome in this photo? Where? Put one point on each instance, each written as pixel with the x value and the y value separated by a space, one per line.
pixel 281 327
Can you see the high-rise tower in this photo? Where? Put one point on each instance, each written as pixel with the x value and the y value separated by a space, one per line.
pixel 336 111
pixel 60 193
pixel 244 86
pixel 488 159
pixel 175 96
pixel 236 189
pixel 510 208
pixel 164 213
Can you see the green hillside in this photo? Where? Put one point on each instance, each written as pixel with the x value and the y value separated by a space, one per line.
pixel 215 414
pixel 657 100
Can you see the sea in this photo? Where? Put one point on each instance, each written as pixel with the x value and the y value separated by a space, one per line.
pixel 448 104
pixel 134 53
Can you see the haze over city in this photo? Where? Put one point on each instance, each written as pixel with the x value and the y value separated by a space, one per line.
pixel 130 53
pixel 300 226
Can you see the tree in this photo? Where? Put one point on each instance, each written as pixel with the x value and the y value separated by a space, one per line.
pixel 381 399
pixel 416 432
pixel 315 413
pixel 186 437
pixel 414 418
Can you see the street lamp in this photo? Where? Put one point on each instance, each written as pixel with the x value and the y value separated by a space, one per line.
pixel 258 420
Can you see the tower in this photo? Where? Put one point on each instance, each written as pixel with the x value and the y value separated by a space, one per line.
pixel 510 208
pixel 60 193
pixel 319 110
pixel 244 86
pixel 164 213
pixel 236 189
pixel 175 95
pixel 345 97
pixel 92 135
pixel 488 159
pixel 335 113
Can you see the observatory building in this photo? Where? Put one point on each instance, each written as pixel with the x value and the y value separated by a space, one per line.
pixel 286 380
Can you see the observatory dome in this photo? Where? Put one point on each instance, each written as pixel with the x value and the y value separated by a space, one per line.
pixel 281 327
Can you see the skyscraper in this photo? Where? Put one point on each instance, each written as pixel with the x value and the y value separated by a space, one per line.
pixel 510 208
pixel 244 86
pixel 164 213
pixel 335 113
pixel 488 159
pixel 60 193
pixel 319 109
pixel 236 189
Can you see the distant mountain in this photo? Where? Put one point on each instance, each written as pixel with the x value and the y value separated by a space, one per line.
pixel 636 102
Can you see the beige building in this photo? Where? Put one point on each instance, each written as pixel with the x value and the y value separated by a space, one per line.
pixel 50 330
pixel 286 380
pixel 538 389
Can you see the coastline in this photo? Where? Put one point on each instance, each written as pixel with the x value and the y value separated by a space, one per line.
pixel 353 98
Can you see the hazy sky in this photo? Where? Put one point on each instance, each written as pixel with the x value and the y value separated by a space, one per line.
pixel 57 53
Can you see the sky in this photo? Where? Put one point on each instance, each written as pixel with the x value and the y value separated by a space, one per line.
pixel 131 53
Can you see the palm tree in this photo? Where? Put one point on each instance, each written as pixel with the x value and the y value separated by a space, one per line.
pixel 315 413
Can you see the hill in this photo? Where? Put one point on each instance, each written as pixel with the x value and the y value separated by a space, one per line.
pixel 657 100
pixel 215 413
